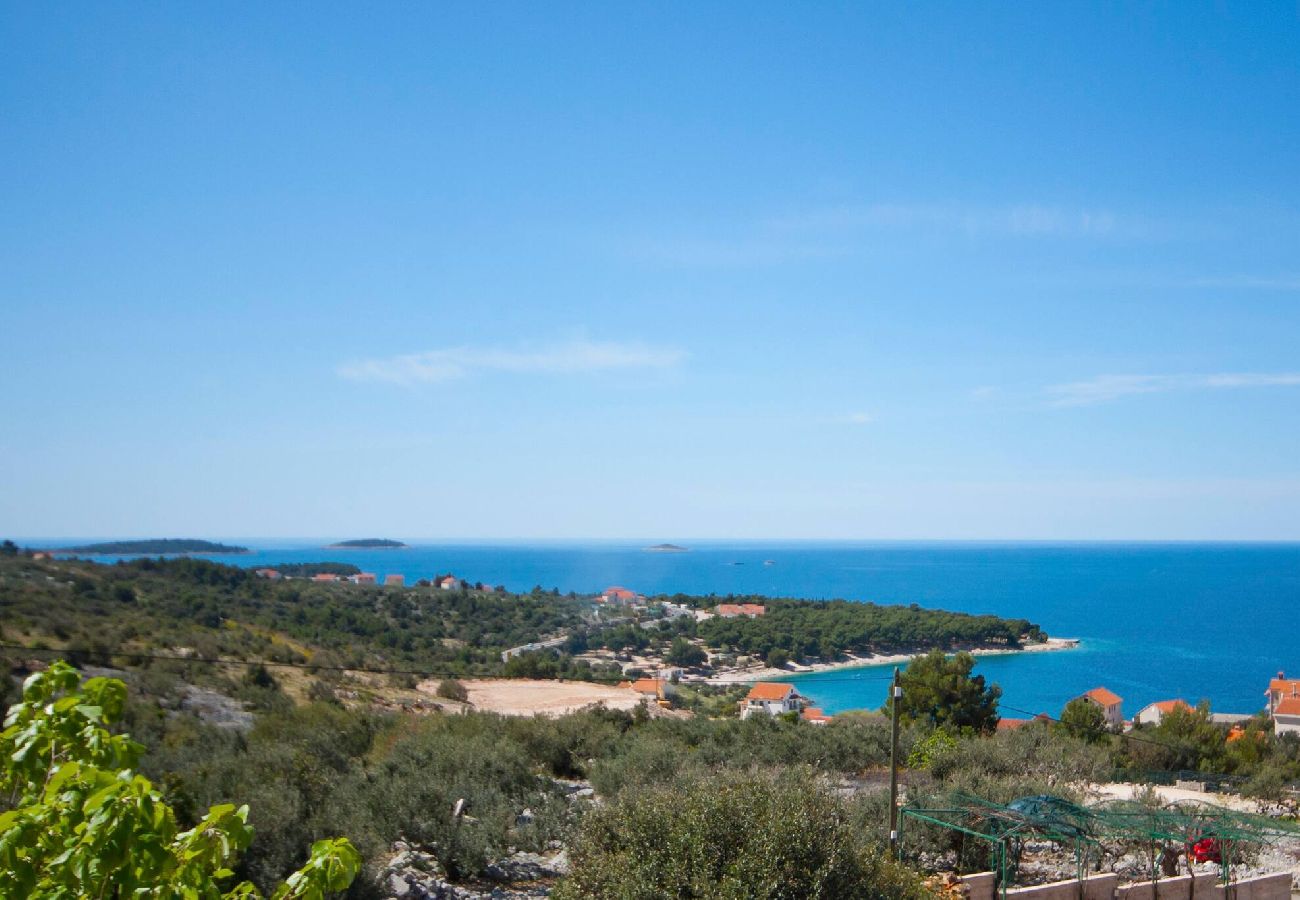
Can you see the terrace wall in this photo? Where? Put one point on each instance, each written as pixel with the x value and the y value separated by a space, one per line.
pixel 1274 886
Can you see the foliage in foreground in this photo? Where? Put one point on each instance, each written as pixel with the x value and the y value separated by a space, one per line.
pixel 81 823
pixel 731 836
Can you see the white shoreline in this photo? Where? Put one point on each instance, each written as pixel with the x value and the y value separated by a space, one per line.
pixel 765 673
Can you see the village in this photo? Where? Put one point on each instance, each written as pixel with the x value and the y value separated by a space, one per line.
pixel 657 681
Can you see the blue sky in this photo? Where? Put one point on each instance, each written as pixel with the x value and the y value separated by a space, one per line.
pixel 651 270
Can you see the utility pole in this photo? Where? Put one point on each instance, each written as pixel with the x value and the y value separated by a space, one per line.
pixel 896 694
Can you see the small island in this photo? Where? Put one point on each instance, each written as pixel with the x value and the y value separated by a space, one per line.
pixel 367 544
pixel 154 546
pixel 666 548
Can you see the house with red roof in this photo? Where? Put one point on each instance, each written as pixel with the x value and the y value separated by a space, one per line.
pixel 1005 724
pixel 363 578
pixel 771 698
pixel 1286 716
pixel 814 716
pixel 325 576
pixel 1281 687
pixel 273 574
pixel 619 595
pixel 394 581
pixel 1284 704
pixel 652 688
pixel 731 610
pixel 1111 705
pixel 448 582
pixel 1154 713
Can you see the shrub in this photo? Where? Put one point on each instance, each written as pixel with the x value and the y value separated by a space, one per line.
pixel 413 790
pixel 730 836
pixel 451 689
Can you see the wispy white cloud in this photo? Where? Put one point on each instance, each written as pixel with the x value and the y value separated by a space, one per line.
pixel 856 418
pixel 832 232
pixel 1023 220
pixel 1249 282
pixel 565 358
pixel 1106 388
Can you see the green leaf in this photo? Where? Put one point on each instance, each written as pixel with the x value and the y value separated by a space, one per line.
pixel 95 822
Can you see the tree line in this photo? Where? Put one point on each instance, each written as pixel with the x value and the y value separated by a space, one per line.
pixel 828 628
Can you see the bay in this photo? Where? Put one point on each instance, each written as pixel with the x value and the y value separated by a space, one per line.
pixel 1156 621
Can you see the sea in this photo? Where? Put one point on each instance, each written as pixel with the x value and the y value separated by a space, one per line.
pixel 1155 621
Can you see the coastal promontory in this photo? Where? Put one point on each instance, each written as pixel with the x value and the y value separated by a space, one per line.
pixel 158 546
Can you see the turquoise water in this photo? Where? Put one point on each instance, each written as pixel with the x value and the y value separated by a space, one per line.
pixel 1211 621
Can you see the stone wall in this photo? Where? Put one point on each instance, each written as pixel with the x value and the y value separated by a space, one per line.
pixel 1094 887
pixel 1179 887
pixel 1276 886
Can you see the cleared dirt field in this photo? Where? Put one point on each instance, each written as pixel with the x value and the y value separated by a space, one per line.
pixel 520 697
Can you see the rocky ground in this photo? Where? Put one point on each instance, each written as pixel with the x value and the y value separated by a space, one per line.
pixel 414 874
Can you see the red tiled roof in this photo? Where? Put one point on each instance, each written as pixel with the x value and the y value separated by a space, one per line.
pixel 1103 696
pixel 1285 685
pixel 1168 706
pixel 1012 724
pixel 1288 706
pixel 814 714
pixel 769 690
pixel 741 609
pixel 646 686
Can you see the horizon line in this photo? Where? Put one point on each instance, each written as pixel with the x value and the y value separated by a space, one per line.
pixel 651 541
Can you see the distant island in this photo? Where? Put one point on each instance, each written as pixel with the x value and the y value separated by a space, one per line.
pixel 666 548
pixel 367 544
pixel 160 546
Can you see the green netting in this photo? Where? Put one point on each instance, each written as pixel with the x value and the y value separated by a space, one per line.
pixel 1092 829
pixel 1187 821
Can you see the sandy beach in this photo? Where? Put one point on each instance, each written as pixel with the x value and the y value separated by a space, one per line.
pixel 764 673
